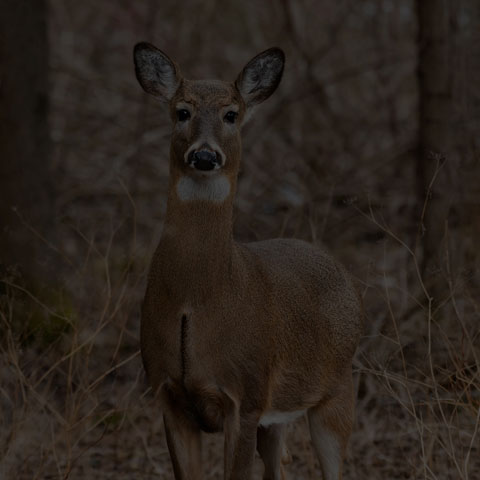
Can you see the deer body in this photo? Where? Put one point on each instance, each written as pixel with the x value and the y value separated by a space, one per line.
pixel 238 338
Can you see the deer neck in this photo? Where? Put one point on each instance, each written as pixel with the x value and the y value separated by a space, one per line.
pixel 197 241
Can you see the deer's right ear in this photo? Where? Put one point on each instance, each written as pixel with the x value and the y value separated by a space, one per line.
pixel 156 73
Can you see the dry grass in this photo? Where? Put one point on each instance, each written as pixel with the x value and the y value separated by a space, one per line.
pixel 76 405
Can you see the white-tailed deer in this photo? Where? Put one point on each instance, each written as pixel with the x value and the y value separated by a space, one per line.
pixel 239 338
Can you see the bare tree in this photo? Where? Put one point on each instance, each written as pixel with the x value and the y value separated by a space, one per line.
pixel 435 135
pixel 24 136
pixel 446 88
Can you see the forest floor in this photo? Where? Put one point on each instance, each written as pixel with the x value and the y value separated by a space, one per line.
pixel 75 403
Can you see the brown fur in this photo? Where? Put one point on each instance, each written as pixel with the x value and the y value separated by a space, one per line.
pixel 231 331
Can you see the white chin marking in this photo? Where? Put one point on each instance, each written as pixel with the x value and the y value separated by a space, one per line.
pixel 272 417
pixel 215 188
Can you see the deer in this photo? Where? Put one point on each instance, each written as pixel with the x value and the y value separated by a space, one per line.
pixel 239 338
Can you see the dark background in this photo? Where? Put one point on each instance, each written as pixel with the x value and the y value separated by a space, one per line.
pixel 370 146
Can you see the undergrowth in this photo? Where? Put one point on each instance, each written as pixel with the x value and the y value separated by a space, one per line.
pixel 76 405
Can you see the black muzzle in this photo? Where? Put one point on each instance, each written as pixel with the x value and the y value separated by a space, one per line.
pixel 204 160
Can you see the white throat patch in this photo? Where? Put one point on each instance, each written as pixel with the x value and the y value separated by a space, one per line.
pixel 210 189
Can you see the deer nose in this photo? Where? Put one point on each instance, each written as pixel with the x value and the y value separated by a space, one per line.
pixel 204 160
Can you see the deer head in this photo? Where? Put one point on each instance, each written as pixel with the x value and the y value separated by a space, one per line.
pixel 207 115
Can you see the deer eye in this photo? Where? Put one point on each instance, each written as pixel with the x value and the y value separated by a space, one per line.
pixel 183 115
pixel 230 117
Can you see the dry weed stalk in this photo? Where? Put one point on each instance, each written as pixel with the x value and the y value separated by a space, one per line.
pixel 444 415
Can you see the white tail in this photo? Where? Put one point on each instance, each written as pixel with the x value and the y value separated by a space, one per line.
pixel 239 338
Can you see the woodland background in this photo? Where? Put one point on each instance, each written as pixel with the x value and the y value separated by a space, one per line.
pixel 370 146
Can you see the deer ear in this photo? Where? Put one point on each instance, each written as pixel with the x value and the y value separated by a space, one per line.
pixel 156 73
pixel 261 76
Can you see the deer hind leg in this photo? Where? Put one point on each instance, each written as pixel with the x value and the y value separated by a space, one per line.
pixel 184 442
pixel 330 428
pixel 271 447
pixel 240 441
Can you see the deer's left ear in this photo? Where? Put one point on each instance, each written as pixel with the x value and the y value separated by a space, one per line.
pixel 261 76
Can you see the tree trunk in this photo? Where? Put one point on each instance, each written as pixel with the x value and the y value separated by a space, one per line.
pixel 434 164
pixel 25 193
pixel 449 76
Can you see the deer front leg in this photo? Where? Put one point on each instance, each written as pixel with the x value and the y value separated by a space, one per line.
pixel 240 444
pixel 271 447
pixel 183 440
